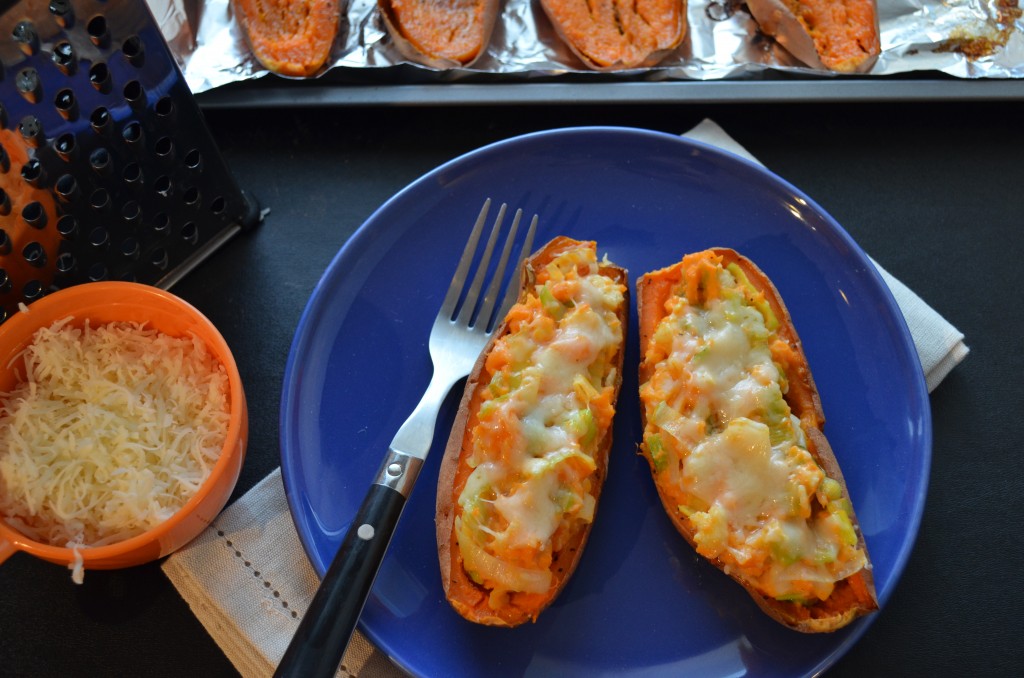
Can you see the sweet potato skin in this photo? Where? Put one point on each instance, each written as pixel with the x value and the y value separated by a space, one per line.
pixel 466 597
pixel 852 597
pixel 438 34
pixel 792 24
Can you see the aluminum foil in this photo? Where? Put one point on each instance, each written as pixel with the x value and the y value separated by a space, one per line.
pixel 962 38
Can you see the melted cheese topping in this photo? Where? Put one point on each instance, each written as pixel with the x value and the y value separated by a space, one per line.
pixel 110 432
pixel 547 407
pixel 726 448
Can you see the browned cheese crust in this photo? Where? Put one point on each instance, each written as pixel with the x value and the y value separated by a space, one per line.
pixel 852 597
pixel 468 598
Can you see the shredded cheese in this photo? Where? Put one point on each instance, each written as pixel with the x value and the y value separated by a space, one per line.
pixel 547 407
pixel 728 450
pixel 111 430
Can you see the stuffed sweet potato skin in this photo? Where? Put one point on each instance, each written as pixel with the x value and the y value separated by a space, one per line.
pixel 835 35
pixel 292 38
pixel 611 35
pixel 439 33
pixel 468 598
pixel 852 597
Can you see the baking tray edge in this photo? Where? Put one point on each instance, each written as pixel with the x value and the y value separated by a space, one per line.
pixel 269 93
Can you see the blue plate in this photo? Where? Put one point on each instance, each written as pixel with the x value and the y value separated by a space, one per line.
pixel 641 601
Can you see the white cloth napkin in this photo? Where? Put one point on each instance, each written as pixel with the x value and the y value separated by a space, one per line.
pixel 249 582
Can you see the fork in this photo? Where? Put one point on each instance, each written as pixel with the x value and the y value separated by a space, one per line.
pixel 459 334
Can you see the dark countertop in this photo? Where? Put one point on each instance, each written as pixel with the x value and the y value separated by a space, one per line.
pixel 933 191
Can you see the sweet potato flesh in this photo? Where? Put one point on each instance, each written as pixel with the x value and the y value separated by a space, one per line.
pixel 290 37
pixel 443 29
pixel 707 479
pixel 522 476
pixel 619 33
pixel 844 32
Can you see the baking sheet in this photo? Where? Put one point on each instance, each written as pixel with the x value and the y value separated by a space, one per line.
pixel 961 38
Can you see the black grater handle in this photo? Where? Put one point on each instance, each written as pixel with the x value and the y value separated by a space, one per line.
pixel 323 635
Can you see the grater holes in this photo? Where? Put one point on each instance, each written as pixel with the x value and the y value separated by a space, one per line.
pixel 163 186
pixel 164 107
pixel 164 148
pixel 131 212
pixel 32 172
pixel 217 205
pixel 191 196
pixel 190 232
pixel 5 203
pixel 132 132
pixel 99 76
pixel 67 188
pixel 5 161
pixel 67 226
pixel 5 245
pixel 66 104
pixel 100 120
pixel 132 173
pixel 97 272
pixel 34 215
pixel 99 160
pixel 66 146
pixel 134 50
pixel 159 258
pixel 31 130
pixel 98 237
pixel 98 32
pixel 32 290
pixel 130 248
pixel 66 263
pixel 28 84
pixel 161 223
pixel 34 254
pixel 25 35
pixel 134 94
pixel 194 160
pixel 63 58
pixel 62 12
pixel 100 199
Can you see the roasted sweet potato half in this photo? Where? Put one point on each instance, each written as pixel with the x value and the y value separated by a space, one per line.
pixel 289 37
pixel 733 435
pixel 528 454
pixel 612 35
pixel 835 35
pixel 441 34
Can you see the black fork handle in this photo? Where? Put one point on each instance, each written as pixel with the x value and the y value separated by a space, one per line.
pixel 323 635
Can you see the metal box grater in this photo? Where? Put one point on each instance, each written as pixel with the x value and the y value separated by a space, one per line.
pixel 107 169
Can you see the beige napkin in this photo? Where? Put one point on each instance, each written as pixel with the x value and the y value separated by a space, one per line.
pixel 249 582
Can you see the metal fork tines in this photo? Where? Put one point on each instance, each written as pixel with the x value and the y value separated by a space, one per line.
pixel 460 333
pixel 461 330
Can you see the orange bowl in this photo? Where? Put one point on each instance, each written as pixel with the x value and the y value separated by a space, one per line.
pixel 106 302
